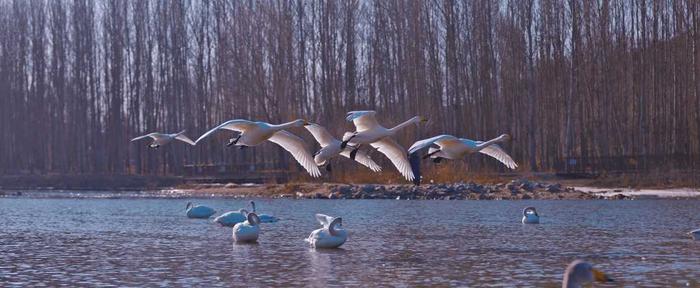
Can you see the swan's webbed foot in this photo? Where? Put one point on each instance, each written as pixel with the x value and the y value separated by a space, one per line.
pixel 242 147
pixel 328 167
pixel 437 159
pixel 353 153
pixel 345 143
pixel 233 141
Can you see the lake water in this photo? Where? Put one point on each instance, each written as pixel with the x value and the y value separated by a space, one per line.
pixel 137 242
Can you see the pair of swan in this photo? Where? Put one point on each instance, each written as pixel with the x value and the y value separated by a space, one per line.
pixel 231 218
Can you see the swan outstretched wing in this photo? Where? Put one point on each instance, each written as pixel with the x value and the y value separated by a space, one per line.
pixel 324 219
pixel 238 125
pixel 497 152
pixel 143 137
pixel 297 148
pixel 363 158
pixel 320 134
pixel 363 120
pixel 397 155
pixel 185 139
pixel 440 140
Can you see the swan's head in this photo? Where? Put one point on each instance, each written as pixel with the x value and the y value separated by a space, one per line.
pixel 252 205
pixel 253 219
pixel 579 273
pixel 336 224
pixel 244 212
pixel 530 211
pixel 189 204
pixel 505 137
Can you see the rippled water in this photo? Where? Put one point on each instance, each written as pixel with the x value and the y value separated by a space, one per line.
pixel 391 243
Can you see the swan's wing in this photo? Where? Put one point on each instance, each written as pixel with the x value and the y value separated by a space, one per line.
pixel 143 137
pixel 397 155
pixel 363 120
pixel 363 158
pixel 497 152
pixel 238 125
pixel 441 140
pixel 320 134
pixel 324 219
pixel 297 148
pixel 185 139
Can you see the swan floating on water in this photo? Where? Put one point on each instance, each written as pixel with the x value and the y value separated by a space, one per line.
pixel 264 218
pixel 332 235
pixel 530 216
pixel 451 147
pixel 231 218
pixel 160 139
pixel 199 211
pixel 695 233
pixel 579 273
pixel 330 147
pixel 248 230
pixel 368 131
pixel 254 133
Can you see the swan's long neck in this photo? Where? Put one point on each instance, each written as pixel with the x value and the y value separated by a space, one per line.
pixel 490 142
pixel 413 120
pixel 283 126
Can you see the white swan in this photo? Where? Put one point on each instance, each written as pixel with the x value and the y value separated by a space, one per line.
pixel 248 230
pixel 451 147
pixel 254 133
pixel 264 218
pixel 231 218
pixel 368 131
pixel 332 235
pixel 530 216
pixel 579 273
pixel 330 147
pixel 160 139
pixel 695 234
pixel 199 211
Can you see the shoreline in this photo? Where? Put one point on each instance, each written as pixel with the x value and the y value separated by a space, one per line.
pixel 519 189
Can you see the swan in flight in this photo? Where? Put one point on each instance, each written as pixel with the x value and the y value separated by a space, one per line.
pixel 254 133
pixel 264 218
pixel 580 273
pixel 330 147
pixel 368 131
pixel 530 216
pixel 451 147
pixel 332 235
pixel 160 139
pixel 695 233
pixel 231 218
pixel 199 211
pixel 248 230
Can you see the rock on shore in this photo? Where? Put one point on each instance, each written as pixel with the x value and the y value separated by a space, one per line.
pixel 515 189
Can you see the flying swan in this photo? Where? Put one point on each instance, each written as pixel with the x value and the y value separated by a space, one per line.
pixel 368 131
pixel 254 133
pixel 332 235
pixel 160 139
pixel 451 147
pixel 330 147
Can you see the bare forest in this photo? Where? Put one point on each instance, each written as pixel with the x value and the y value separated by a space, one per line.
pixel 584 85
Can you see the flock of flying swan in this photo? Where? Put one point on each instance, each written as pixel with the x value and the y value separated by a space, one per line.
pixel 369 136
